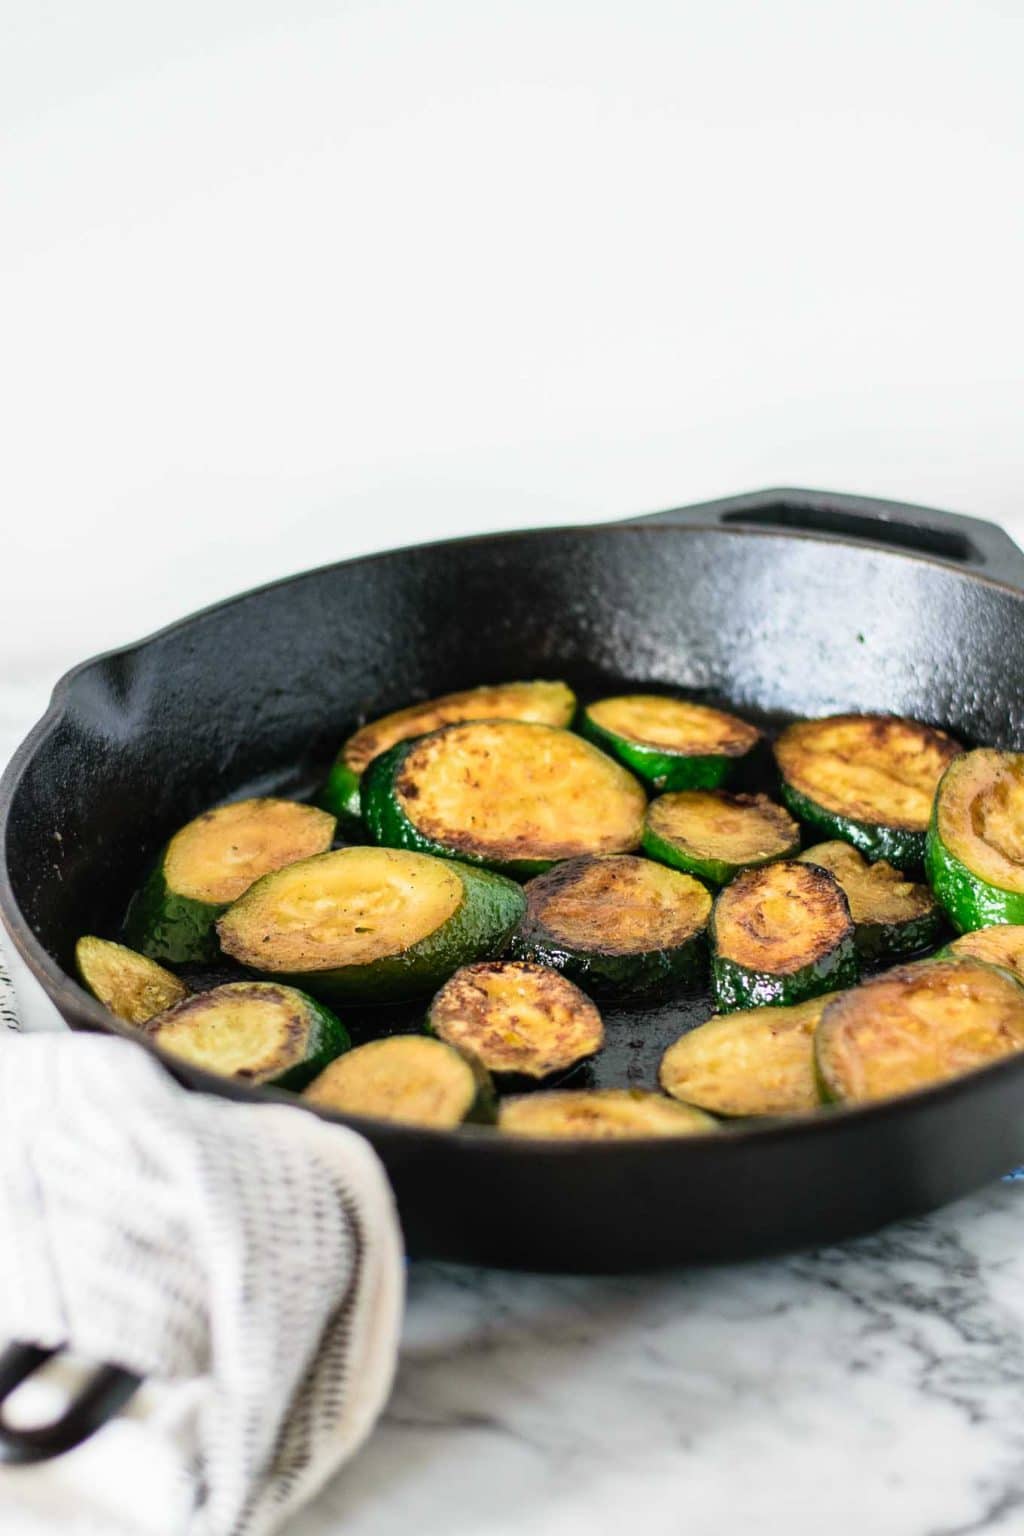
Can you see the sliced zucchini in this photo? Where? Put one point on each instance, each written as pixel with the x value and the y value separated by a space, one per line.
pixel 209 863
pixel 370 924
pixel 267 1034
pixel 604 1114
pixel 616 925
pixel 516 1018
pixel 779 935
pixel 547 703
pixel 506 793
pixel 1001 945
pixel 891 914
pixel 975 855
pixel 409 1078
pixel 917 1025
pixel 868 779
pixel 714 834
pixel 132 987
pixel 759 1061
pixel 671 743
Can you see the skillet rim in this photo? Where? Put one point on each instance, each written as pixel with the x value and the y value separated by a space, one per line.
pixel 57 983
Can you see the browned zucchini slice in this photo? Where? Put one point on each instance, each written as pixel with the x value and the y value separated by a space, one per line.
pixel 615 925
pixel 759 1061
pixel 132 987
pixel 672 743
pixel 915 1026
pixel 780 934
pixel 868 779
pixel 514 1017
pixel 714 835
pixel 409 1078
pixel 605 1114
pixel 892 915
pixel 1001 945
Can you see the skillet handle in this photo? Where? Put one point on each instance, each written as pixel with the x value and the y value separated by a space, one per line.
pixel 967 542
pixel 98 1400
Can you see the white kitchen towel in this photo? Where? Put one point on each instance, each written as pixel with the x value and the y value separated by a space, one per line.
pixel 245 1259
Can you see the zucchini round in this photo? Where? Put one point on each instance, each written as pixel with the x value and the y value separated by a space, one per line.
pixel 616 925
pixel 759 1061
pixel 505 793
pixel 891 914
pixel 256 1030
pixel 209 863
pixel 672 743
pixel 1001 945
pixel 779 935
pixel 603 1114
pixel 370 924
pixel 409 1078
pixel 868 779
pixel 547 703
pixel 915 1026
pixel 714 835
pixel 975 855
pixel 131 986
pixel 516 1018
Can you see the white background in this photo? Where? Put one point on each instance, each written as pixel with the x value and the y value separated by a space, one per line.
pixel 284 280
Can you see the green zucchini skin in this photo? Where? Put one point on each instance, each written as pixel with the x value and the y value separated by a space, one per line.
pixel 878 941
pixel 389 826
pixel 340 795
pixel 165 926
pixel 666 770
pixel 969 901
pixel 610 975
pixel 491 907
pixel 899 846
pixel 737 987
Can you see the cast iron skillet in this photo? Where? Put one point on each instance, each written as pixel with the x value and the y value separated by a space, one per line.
pixel 784 602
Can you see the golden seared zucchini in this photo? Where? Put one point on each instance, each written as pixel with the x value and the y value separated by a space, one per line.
pixel 975 855
pixel 256 1030
pixel 868 779
pixel 617 925
pixel 370 924
pixel 516 1018
pixel 891 914
pixel 547 703
pixel 780 934
pixel 604 1114
pixel 409 1078
pixel 714 835
pixel 759 1061
pixel 1001 945
pixel 132 987
pixel 209 863
pixel 915 1026
pixel 504 793
pixel 672 743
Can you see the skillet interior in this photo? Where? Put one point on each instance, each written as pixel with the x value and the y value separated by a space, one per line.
pixel 257 693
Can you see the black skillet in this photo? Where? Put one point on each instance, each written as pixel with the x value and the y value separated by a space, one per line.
pixel 783 602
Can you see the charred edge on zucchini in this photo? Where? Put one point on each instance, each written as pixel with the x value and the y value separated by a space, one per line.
pixel 867 779
pixel 409 1078
pixel 672 743
pixel 975 854
pixel 508 794
pixel 547 703
pixel 516 1019
pixel 371 924
pixel 209 863
pixel 617 925
pixel 780 934
pixel 603 1114
pixel 915 1026
pixel 891 914
pixel 131 986
pixel 714 835
pixel 1001 945
pixel 759 1061
pixel 267 1034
